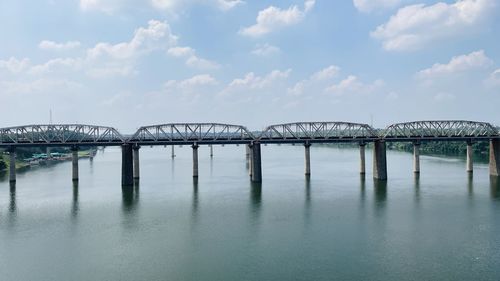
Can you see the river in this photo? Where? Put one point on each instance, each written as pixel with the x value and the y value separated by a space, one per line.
pixel 444 225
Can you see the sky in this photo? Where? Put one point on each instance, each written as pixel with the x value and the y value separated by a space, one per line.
pixel 131 63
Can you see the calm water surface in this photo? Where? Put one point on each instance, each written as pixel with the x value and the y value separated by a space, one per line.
pixel 335 226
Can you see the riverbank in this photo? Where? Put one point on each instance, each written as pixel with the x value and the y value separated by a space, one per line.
pixel 42 159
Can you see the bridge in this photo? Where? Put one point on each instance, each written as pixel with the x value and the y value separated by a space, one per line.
pixel 306 133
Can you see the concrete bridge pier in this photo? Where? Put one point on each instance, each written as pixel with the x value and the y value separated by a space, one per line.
pixel 74 163
pixel 470 163
pixel 379 160
pixel 250 157
pixel 173 151
pixel 256 165
pixel 495 157
pixel 247 152
pixel 12 165
pixel 195 160
pixel 135 156
pixel 416 158
pixel 307 147
pixel 211 151
pixel 127 165
pixel 362 158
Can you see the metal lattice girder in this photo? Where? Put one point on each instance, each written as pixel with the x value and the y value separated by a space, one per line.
pixel 317 131
pixel 449 129
pixel 192 133
pixel 59 134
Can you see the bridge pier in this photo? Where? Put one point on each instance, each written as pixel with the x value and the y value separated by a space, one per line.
pixel 195 160
pixel 495 157
pixel 135 156
pixel 249 160
pixel 470 163
pixel 74 163
pixel 127 165
pixel 211 151
pixel 379 160
pixel 307 147
pixel 256 165
pixel 362 158
pixel 12 164
pixel 416 158
pixel 173 152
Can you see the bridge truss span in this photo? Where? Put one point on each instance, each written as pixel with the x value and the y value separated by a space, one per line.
pixel 318 132
pixel 440 130
pixel 59 135
pixel 187 133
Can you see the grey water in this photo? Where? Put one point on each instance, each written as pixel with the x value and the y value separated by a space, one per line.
pixel 336 225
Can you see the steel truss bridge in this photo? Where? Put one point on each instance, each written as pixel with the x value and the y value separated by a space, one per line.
pixel 216 133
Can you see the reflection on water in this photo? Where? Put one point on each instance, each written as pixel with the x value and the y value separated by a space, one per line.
pixel 195 203
pixel 470 185
pixel 380 189
pixel 75 207
pixel 255 202
pixel 495 187
pixel 416 182
pixel 130 198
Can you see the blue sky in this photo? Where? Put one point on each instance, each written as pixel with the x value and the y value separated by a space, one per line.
pixel 126 63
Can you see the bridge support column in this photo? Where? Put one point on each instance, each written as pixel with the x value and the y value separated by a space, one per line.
pixel 362 163
pixel 127 165
pixel 249 160
pixel 470 164
pixel 173 151
pixel 416 158
pixel 256 165
pixel 135 152
pixel 74 163
pixel 211 151
pixel 247 152
pixel 307 147
pixel 379 160
pixel 12 165
pixel 195 160
pixel 495 157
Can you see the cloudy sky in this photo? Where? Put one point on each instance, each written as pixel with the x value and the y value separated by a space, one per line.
pixel 127 63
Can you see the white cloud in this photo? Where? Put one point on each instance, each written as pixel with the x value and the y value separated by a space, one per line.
pixel 181 51
pixel 195 81
pixel 107 6
pixel 157 35
pixel 315 82
pixel 192 60
pixel 367 6
pixel 265 50
pixel 273 18
pixel 494 78
pixel 165 4
pixel 15 65
pixel 415 26
pixel 252 82
pixel 226 5
pixel 352 84
pixel 457 64
pixel 326 73
pixel 200 63
pixel 51 45
pixel 54 64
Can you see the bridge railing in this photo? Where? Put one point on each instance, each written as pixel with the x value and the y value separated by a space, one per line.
pixel 59 134
pixel 318 131
pixel 191 132
pixel 450 129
